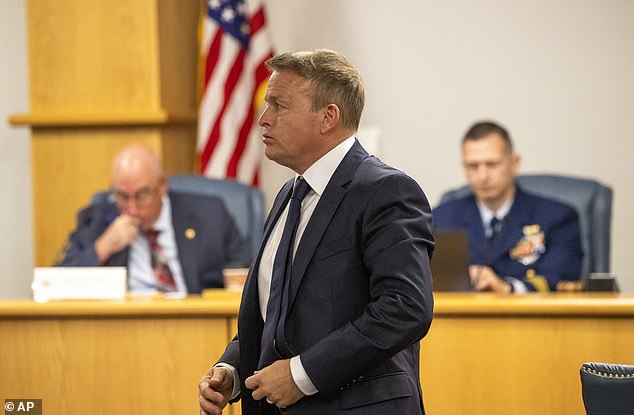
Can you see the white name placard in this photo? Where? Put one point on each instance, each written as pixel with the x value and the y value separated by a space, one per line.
pixel 79 283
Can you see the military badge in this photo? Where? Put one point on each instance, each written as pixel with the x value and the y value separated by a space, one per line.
pixel 531 247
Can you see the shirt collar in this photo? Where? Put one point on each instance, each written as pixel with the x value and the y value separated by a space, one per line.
pixel 318 175
pixel 487 214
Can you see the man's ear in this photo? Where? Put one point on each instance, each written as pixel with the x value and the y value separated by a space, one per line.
pixel 330 118
pixel 163 185
pixel 516 161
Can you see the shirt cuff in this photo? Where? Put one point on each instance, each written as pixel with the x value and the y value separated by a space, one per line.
pixel 236 379
pixel 518 286
pixel 301 378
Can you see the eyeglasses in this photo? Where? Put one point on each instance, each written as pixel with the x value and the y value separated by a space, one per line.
pixel 141 197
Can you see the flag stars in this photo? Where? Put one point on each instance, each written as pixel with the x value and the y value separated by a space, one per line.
pixel 228 14
pixel 231 16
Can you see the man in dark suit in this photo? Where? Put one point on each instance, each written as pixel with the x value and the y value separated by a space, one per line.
pixel 194 236
pixel 357 297
pixel 517 241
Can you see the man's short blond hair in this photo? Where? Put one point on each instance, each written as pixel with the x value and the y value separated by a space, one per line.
pixel 334 81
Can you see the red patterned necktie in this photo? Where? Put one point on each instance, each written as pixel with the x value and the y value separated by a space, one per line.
pixel 162 272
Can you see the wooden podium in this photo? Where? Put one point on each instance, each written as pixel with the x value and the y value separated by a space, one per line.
pixel 103 74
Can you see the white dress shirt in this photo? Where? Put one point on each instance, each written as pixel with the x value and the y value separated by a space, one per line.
pixel 141 276
pixel 487 214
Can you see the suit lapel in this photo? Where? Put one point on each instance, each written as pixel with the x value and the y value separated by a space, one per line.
pixel 187 256
pixel 251 286
pixel 278 207
pixel 249 319
pixel 322 215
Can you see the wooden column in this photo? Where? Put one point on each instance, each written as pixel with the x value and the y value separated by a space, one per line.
pixel 104 73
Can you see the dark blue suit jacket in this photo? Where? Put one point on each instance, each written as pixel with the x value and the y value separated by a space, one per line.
pixel 360 295
pixel 558 223
pixel 217 242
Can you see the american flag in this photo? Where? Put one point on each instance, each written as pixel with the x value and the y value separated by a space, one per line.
pixel 235 44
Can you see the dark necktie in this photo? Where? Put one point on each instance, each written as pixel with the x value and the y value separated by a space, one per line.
pixel 162 273
pixel 495 225
pixel 273 342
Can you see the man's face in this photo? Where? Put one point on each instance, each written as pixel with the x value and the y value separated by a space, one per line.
pixel 139 194
pixel 290 128
pixel 490 168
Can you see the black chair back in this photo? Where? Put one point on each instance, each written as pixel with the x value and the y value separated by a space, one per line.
pixel 607 388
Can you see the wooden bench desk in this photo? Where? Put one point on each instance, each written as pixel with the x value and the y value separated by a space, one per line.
pixel 485 354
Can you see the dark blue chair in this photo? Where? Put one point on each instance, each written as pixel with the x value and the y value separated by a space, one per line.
pixel 591 199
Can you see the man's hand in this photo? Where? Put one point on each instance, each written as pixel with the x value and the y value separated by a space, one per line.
pixel 214 390
pixel 276 384
pixel 483 278
pixel 120 234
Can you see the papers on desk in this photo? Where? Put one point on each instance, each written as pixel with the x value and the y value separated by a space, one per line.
pixel 79 283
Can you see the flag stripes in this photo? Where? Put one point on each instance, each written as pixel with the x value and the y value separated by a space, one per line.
pixel 229 141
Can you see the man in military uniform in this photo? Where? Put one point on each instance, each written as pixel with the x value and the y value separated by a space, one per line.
pixel 518 241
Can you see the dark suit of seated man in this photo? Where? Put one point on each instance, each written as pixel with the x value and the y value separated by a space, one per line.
pixel 169 241
pixel 517 241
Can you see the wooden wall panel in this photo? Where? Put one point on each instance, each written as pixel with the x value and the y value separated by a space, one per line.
pixel 93 55
pixel 178 148
pixel 178 57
